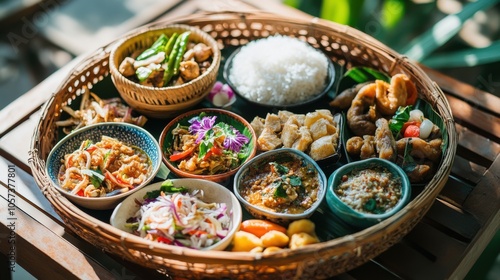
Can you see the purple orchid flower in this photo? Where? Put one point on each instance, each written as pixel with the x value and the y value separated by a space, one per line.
pixel 234 140
pixel 201 126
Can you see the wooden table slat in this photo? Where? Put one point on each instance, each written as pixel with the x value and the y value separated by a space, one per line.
pixel 456 222
pixel 455 191
pixel 42 252
pixel 370 269
pixel 473 95
pixel 477 143
pixel 407 263
pixel 484 202
pixel 467 170
pixel 436 243
pixel 472 117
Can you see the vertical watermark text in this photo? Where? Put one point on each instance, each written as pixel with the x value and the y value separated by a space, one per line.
pixel 11 216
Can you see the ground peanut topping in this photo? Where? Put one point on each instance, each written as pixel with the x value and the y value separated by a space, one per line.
pixel 374 190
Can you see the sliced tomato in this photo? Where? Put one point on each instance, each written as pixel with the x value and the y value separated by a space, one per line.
pixel 213 151
pixel 165 240
pixel 80 193
pixel 412 131
pixel 181 155
pixel 91 148
pixel 406 124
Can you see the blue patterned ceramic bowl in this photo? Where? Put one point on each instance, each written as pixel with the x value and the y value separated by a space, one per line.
pixel 362 219
pixel 127 133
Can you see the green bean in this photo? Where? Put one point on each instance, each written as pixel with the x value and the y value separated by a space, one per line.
pixel 169 70
pixel 172 58
pixel 170 45
pixel 155 48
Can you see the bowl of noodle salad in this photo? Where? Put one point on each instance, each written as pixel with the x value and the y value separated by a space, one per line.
pixel 98 165
pixel 189 213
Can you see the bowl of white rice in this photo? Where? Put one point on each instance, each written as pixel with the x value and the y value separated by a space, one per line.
pixel 279 71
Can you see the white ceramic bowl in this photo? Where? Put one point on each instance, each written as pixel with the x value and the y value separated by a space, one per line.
pixel 127 133
pixel 213 192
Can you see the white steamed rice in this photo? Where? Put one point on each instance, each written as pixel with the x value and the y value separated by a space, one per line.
pixel 279 70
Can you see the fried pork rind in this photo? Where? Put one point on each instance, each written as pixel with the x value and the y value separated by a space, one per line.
pixel 298 131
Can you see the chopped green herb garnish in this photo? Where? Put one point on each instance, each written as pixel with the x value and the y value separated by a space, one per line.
pixel 96 176
pixel 279 190
pixel 295 181
pixel 280 169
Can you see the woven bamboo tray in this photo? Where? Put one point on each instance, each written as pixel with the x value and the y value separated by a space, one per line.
pixel 344 46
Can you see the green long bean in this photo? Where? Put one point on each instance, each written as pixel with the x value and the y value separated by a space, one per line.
pixel 170 45
pixel 179 47
pixel 184 39
pixel 155 48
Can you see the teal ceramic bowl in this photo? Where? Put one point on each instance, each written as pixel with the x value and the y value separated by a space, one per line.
pixel 259 162
pixel 362 219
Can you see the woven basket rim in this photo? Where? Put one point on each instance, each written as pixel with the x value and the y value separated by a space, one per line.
pixel 336 245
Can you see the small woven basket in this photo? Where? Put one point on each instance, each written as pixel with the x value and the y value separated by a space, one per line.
pixel 343 45
pixel 162 102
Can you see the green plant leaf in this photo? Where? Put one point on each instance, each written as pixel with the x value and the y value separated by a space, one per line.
pixel 443 31
pixel 342 11
pixel 465 58
pixel 358 75
pixel 336 10
pixel 392 13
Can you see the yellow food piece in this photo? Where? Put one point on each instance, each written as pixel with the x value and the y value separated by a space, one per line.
pixel 303 225
pixel 302 239
pixel 272 249
pixel 257 250
pixel 244 242
pixel 274 238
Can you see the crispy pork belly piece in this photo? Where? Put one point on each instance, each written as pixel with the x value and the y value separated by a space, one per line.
pixel 273 122
pixel 257 125
pixel 290 132
pixel 322 127
pixel 268 140
pixel 312 117
pixel 284 115
pixel 304 140
pixel 322 148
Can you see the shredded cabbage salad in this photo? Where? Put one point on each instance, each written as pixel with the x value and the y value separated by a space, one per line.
pixel 174 216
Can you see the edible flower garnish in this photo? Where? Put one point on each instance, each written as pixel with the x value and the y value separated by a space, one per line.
pixel 234 139
pixel 208 146
pixel 201 126
pixel 221 95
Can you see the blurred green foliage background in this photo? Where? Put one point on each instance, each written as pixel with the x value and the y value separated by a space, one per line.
pixel 448 35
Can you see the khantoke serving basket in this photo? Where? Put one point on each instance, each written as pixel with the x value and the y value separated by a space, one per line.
pixel 345 46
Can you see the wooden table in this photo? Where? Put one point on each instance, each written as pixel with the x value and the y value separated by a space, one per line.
pixel 445 244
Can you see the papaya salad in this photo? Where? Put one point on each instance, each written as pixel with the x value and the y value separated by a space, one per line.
pixel 174 216
pixel 108 167
pixel 206 147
